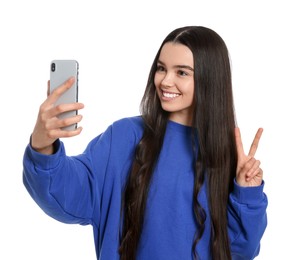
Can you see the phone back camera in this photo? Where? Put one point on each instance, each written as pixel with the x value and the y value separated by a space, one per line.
pixel 52 67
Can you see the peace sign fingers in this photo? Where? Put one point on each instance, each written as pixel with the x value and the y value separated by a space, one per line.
pixel 254 145
pixel 248 172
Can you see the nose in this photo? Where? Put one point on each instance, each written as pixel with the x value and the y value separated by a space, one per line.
pixel 168 80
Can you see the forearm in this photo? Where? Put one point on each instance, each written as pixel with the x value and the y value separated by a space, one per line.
pixel 247 220
pixel 54 184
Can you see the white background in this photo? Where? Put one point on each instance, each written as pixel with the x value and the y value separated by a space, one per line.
pixel 115 43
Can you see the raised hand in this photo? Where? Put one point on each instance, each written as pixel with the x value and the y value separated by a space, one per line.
pixel 48 126
pixel 249 172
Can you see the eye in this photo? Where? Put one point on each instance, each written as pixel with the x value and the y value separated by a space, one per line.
pixel 182 73
pixel 160 68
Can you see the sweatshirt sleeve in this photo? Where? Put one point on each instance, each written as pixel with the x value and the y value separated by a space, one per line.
pixel 68 188
pixel 247 220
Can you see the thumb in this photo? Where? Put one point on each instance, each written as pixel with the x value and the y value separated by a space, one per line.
pixel 48 88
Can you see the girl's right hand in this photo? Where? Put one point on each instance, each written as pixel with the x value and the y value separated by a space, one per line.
pixel 48 126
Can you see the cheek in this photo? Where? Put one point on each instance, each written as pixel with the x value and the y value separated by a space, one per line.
pixel 190 88
pixel 158 78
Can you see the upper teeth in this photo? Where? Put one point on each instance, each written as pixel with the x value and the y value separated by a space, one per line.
pixel 170 95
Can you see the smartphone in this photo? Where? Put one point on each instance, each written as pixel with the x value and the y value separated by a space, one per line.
pixel 60 71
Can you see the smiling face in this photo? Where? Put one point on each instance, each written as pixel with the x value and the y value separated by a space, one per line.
pixel 174 82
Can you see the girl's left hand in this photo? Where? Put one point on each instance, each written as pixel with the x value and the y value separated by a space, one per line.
pixel 249 173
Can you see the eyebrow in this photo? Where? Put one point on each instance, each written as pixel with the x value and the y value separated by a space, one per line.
pixel 178 66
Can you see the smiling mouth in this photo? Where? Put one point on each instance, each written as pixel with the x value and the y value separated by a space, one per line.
pixel 170 95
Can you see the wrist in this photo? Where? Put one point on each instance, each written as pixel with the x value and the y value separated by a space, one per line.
pixel 47 150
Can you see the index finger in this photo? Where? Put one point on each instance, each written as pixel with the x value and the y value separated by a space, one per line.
pixel 239 144
pixel 255 142
pixel 57 92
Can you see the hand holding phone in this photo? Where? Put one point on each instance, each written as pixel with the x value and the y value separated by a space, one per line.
pixel 60 71
pixel 47 129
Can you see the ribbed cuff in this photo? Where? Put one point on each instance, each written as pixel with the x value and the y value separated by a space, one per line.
pixel 248 195
pixel 44 161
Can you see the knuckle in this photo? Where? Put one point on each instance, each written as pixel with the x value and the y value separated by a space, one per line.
pixel 42 108
pixel 66 121
pixel 47 126
pixel 248 164
pixel 59 109
pixel 50 135
pixel 42 119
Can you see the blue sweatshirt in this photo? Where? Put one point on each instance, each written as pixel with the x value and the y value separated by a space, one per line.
pixel 87 189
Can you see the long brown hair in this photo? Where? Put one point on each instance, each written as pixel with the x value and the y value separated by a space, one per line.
pixel 213 123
